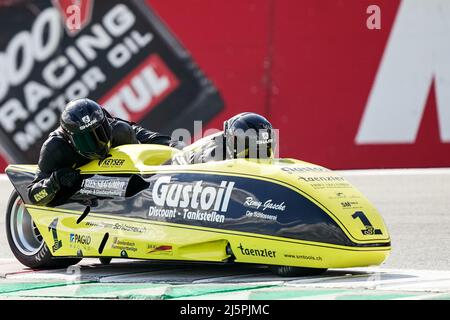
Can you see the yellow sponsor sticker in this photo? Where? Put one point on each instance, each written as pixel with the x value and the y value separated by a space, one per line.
pixel 40 195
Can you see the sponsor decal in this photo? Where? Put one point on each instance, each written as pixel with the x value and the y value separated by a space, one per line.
pixel 159 249
pixel 203 216
pixel 269 204
pixel 99 186
pixel 186 214
pixel 344 196
pixel 257 252
pixel 334 182
pixel 88 122
pixel 369 229
pixel 107 183
pixel 321 179
pixel 292 170
pixel 197 196
pixel 80 239
pixel 350 204
pixel 121 244
pixel 111 163
pixel 304 257
pixel 40 195
pixel 265 138
pixel 191 202
pixel 117 226
pixel 162 213
pixel 257 214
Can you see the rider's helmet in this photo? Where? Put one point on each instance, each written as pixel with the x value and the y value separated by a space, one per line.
pixel 249 135
pixel 87 127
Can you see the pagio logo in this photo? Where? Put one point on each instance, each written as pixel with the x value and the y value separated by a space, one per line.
pixel 80 239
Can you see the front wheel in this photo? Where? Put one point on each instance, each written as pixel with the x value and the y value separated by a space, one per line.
pixel 25 240
pixel 287 271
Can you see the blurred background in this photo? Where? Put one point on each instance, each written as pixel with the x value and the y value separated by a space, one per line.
pixel 350 84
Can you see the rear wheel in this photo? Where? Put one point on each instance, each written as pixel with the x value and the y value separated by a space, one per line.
pixel 25 240
pixel 287 271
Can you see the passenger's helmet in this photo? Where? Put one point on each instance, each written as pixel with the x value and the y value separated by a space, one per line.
pixel 249 135
pixel 88 128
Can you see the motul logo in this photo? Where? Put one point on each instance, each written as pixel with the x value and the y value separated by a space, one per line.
pixel 417 53
pixel 142 90
pixel 77 14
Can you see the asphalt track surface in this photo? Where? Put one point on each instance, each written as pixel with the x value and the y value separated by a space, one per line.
pixel 414 203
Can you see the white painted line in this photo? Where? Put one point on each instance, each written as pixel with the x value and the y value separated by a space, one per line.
pixel 94 291
pixel 384 279
pixel 140 277
pixel 40 276
pixel 228 278
pixel 240 295
pixel 423 297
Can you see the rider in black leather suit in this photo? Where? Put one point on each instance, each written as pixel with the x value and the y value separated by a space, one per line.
pixel 87 132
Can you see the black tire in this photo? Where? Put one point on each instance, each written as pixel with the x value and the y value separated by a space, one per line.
pixel 286 271
pixel 41 259
pixel 105 260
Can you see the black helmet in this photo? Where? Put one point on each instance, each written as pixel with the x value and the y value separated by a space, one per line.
pixel 88 128
pixel 249 135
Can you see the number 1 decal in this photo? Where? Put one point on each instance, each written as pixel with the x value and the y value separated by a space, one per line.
pixel 369 230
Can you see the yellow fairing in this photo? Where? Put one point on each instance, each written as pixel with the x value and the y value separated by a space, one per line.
pixel 165 241
pixel 146 239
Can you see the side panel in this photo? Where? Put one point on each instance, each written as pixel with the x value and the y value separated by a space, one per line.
pixel 222 202
pixel 21 177
pixel 286 198
pixel 130 238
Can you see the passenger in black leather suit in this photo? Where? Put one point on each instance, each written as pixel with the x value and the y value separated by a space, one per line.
pixel 246 135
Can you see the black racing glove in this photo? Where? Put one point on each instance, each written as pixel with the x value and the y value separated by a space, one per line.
pixel 67 177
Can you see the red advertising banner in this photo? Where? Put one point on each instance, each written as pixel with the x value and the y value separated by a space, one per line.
pixel 153 78
pixel 350 84
pixel 118 53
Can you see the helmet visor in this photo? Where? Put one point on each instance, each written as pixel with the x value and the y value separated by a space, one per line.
pixel 93 144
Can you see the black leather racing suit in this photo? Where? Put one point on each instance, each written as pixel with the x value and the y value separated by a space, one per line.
pixel 57 154
pixel 210 148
